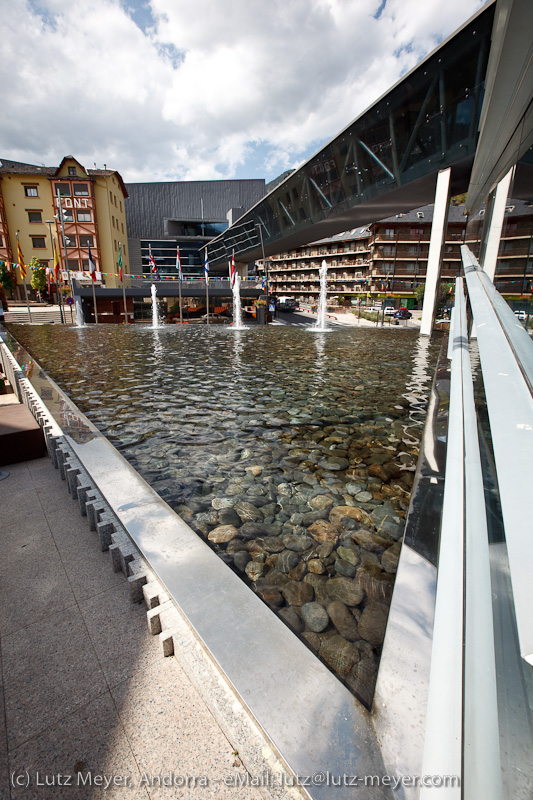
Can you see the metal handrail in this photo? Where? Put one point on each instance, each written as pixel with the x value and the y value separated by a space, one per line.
pixel 506 362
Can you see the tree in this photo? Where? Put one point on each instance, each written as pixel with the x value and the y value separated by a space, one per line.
pixel 7 279
pixel 38 275
pixel 419 292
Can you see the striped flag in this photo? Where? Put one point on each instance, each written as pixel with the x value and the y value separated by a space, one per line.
pixel 232 269
pixel 120 261
pixel 20 257
pixel 56 260
pixel 92 267
pixel 206 266
pixel 178 264
pixel 151 259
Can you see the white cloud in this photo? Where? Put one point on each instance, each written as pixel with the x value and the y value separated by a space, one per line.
pixel 205 90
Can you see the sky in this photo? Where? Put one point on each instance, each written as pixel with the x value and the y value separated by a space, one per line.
pixel 179 90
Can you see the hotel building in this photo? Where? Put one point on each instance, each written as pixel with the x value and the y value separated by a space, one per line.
pixel 80 208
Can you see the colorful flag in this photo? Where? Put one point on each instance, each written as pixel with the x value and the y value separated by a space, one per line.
pixel 120 261
pixel 92 267
pixel 178 264
pixel 56 260
pixel 20 257
pixel 206 266
pixel 232 269
pixel 152 260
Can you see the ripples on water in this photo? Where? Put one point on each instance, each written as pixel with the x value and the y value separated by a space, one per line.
pixel 213 418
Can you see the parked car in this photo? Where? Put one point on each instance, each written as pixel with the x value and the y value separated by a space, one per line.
pixel 216 318
pixel 390 311
pixel 521 315
pixel 402 313
pixel 285 304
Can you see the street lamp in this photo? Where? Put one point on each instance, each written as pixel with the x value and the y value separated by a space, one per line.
pixel 265 266
pixel 50 222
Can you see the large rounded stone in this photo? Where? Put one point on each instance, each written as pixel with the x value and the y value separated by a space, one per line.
pixel 343 620
pixel 240 559
pixel 389 559
pixel 319 584
pixel 334 463
pixel 377 584
pixel 296 593
pixel 254 570
pixel 348 554
pixel 228 516
pixel 346 590
pixel 247 511
pixel 352 512
pixel 287 560
pixel 315 617
pixel 339 654
pixel 297 543
pixel 316 565
pixel 224 533
pixel 370 541
pixel 323 531
pixel 272 544
pixel 344 568
pixel 270 595
pixel 373 622
pixel 320 502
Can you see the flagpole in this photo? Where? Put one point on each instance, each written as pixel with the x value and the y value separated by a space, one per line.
pixel 123 287
pixel 92 270
pixel 206 270
pixel 22 268
pixel 180 276
pixel 94 304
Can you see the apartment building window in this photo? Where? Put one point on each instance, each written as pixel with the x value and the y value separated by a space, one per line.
pixel 387 250
pixel 86 241
pixel 38 242
pixel 83 216
pixel 81 190
pixel 417 233
pixel 120 205
pixel 85 264
pixel 70 241
pixel 68 215
pixel 73 263
pixel 31 191
pixel 62 189
pixel 112 220
pixel 387 266
pixel 72 170
pixel 35 216
pixel 389 233
pixel 122 226
pixel 1 242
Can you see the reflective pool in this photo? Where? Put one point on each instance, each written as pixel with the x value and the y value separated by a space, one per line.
pixel 291 452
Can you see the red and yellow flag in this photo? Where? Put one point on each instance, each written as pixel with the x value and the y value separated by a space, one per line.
pixel 20 257
pixel 56 260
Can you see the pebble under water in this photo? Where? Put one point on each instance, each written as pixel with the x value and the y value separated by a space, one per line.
pixel 291 452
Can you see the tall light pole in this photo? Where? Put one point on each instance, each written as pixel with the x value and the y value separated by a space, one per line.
pixel 265 267
pixel 51 222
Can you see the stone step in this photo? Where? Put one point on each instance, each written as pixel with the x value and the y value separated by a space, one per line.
pixel 21 438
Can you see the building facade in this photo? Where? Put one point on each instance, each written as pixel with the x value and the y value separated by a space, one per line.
pixel 165 216
pixel 79 208
pixel 387 260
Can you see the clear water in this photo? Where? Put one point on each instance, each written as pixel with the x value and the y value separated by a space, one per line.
pixel 263 433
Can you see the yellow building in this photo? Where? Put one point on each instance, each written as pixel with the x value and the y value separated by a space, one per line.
pixel 80 208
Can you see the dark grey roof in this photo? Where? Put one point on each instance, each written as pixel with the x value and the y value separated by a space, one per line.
pixel 24 169
pixel 355 233
pixel 149 204
pixel 456 214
